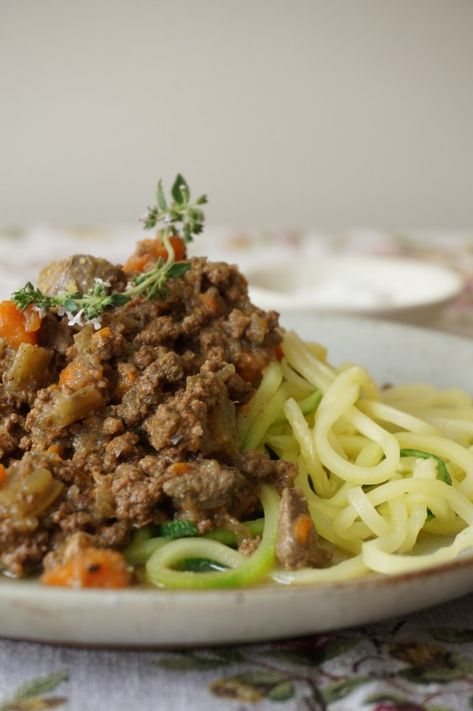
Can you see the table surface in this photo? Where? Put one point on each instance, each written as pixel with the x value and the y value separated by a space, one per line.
pixel 421 663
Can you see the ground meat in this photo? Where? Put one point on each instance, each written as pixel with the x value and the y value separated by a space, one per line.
pixel 137 421
pixel 199 418
pixel 297 541
pixel 56 334
pixel 248 546
pixel 259 467
pixel 23 551
pixel 11 429
pixel 120 448
pixel 204 484
pixel 135 494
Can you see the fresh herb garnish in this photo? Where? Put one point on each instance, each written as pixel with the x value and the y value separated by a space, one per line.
pixel 88 307
pixel 180 217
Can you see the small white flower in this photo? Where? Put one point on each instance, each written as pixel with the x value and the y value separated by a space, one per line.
pixel 42 312
pixel 75 319
pixel 98 280
pixel 96 323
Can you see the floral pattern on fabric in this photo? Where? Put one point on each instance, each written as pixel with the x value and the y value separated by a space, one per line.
pixel 319 671
pixel 34 695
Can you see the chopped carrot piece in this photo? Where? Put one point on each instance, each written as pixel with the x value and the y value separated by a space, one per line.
pixel 302 528
pixel 149 251
pixel 13 326
pixel 250 366
pixel 179 248
pixel 55 450
pixel 90 568
pixel 180 468
pixel 136 264
pixel 3 475
pixel 278 352
pixel 105 332
pixel 77 374
pixel 127 377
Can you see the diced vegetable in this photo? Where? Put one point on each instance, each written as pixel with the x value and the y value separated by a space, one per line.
pixel 91 568
pixel 178 529
pixel 70 408
pixel 14 327
pixel 105 332
pixel 29 494
pixel 29 365
pixel 250 366
pixel 56 450
pixel 32 319
pixel 150 251
pixel 127 375
pixel 279 351
pixel 302 529
pixel 79 373
pixel 222 433
pixel 180 468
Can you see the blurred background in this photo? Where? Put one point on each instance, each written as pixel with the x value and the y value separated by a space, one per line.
pixel 301 113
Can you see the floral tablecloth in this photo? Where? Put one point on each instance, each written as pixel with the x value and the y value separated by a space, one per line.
pixel 422 663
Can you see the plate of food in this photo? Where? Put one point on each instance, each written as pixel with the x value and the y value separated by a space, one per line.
pixel 179 466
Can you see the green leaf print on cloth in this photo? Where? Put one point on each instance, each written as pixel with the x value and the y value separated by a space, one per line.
pixel 32 695
pixel 325 670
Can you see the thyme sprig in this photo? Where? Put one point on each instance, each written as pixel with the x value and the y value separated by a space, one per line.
pixel 180 217
pixel 88 307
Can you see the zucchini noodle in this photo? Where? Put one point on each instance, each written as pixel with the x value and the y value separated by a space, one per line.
pixel 243 570
pixel 387 474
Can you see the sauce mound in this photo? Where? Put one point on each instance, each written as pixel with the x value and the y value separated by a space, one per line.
pixel 107 427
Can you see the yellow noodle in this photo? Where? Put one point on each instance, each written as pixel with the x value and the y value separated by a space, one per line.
pixel 365 498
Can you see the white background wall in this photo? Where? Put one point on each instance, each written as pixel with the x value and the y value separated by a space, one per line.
pixel 287 112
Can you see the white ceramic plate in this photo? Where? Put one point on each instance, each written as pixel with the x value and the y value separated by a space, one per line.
pixel 137 617
pixel 386 287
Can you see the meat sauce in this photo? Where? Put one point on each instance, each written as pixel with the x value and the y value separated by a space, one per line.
pixel 105 431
